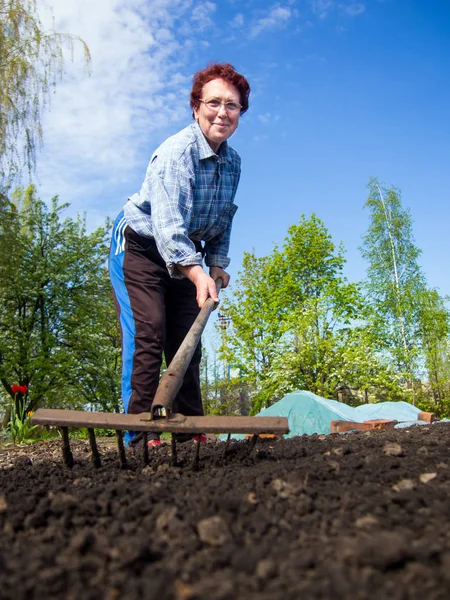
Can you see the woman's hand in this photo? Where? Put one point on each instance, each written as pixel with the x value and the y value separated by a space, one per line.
pixel 218 273
pixel 206 286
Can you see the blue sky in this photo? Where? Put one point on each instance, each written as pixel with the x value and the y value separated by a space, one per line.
pixel 341 91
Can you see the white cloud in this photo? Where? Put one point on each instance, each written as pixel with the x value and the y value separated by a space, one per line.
pixel 201 15
pixel 260 138
pixel 354 9
pixel 278 17
pixel 99 128
pixel 321 8
pixel 265 118
pixel 238 21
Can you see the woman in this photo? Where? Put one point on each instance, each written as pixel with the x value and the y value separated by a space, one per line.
pixel 156 251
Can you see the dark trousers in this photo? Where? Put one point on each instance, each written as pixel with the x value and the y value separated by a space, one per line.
pixel 155 312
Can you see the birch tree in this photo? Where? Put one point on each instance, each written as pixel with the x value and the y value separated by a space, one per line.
pixel 395 283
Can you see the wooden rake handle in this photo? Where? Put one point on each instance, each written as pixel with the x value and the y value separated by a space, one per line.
pixel 172 379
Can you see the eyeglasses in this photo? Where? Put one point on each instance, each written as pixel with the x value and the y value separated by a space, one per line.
pixel 215 104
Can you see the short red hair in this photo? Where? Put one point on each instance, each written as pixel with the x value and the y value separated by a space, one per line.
pixel 223 71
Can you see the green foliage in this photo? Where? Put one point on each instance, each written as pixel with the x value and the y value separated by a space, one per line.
pixel 231 398
pixel 410 321
pixel 83 434
pixel 434 334
pixel 296 322
pixel 58 331
pixel 31 63
pixel 395 281
pixel 441 408
pixel 19 427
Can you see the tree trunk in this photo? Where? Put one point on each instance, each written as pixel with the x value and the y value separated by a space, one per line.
pixel 6 417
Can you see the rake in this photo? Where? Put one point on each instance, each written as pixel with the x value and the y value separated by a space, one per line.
pixel 161 417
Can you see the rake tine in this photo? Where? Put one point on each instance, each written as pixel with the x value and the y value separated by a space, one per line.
pixel 174 450
pixel 252 442
pixel 197 456
pixel 120 444
pixel 145 452
pixel 96 460
pixel 227 445
pixel 67 453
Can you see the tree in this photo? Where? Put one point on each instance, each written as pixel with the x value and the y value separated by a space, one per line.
pixel 254 327
pixel 93 340
pixel 58 332
pixel 395 283
pixel 434 332
pixel 31 63
pixel 296 323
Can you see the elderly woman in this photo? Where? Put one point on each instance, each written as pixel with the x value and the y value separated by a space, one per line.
pixel 157 252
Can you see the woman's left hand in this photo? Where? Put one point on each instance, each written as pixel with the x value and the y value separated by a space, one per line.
pixel 218 273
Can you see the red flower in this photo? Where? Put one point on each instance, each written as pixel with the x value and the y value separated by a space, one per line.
pixel 23 389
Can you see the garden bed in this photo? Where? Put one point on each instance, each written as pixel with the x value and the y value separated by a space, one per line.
pixel 362 515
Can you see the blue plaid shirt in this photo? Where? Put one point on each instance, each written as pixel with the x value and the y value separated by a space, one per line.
pixel 187 194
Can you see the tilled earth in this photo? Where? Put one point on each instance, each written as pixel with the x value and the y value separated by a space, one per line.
pixel 363 515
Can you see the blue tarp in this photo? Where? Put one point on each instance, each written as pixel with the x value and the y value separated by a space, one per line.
pixel 398 411
pixel 308 413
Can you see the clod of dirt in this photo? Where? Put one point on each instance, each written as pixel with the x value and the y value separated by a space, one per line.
pixel 165 518
pixel 334 465
pixel 183 591
pixel 383 551
pixel 83 542
pixel 393 449
pixel 23 461
pixel 219 589
pixel 426 477
pixel 445 562
pixel 283 488
pixel 252 499
pixel 404 485
pixel 367 522
pixel 3 504
pixel 213 531
pixel 61 502
pixel 423 450
pixel 338 451
pixel 266 569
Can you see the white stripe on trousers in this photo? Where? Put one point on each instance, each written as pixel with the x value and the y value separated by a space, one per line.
pixel 119 235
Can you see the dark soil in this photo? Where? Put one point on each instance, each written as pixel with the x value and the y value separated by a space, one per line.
pixel 343 516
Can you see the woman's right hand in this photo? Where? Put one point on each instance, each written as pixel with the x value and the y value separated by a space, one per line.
pixel 205 285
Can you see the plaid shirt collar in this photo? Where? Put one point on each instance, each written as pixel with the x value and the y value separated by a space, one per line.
pixel 205 150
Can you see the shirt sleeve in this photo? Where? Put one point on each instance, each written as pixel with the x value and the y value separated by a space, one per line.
pixel 216 250
pixel 169 186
